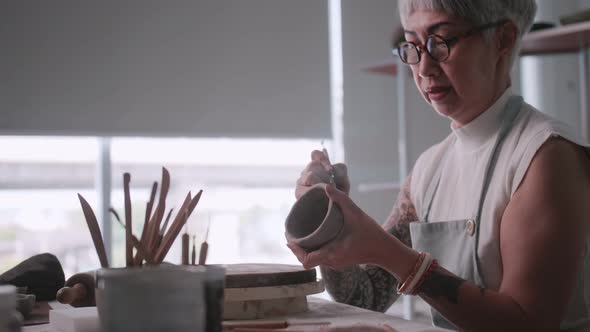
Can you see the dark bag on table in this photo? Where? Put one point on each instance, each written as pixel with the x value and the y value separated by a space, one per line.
pixel 41 274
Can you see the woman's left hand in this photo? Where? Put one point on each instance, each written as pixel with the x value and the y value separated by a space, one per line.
pixel 360 242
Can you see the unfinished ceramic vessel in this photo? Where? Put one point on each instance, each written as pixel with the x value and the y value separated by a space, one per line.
pixel 314 219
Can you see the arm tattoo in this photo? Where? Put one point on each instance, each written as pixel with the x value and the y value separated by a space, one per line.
pixel 402 215
pixel 369 286
pixel 442 284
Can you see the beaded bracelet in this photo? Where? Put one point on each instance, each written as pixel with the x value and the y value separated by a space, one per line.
pixel 431 269
pixel 402 287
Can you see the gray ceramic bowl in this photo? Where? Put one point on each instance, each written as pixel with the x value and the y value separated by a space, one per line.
pixel 314 219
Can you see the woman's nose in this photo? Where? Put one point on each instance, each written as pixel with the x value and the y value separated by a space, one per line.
pixel 428 67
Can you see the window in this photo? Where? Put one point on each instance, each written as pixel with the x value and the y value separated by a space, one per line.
pixel 247 192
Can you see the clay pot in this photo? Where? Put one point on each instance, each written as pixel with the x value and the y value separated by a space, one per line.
pixel 314 220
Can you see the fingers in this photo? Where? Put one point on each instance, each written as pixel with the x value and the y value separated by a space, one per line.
pixel 309 260
pixel 338 196
pixel 299 252
pixel 341 177
pixel 322 158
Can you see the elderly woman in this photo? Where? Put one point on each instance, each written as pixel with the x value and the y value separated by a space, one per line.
pixel 491 228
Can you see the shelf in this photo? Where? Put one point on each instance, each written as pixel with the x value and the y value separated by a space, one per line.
pixel 569 38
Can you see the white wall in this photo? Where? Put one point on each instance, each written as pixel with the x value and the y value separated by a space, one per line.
pixel 370 115
pixel 551 82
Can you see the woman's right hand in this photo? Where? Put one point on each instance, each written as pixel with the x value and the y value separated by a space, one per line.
pixel 318 171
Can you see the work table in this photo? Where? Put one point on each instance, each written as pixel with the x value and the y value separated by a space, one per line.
pixel 321 310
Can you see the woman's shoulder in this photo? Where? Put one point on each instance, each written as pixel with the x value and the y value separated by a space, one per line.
pixel 532 122
pixel 532 130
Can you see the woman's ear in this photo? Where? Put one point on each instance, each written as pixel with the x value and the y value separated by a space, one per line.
pixel 506 37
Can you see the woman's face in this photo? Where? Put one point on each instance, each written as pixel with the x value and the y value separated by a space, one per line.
pixel 469 80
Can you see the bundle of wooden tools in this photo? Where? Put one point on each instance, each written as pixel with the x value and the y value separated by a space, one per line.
pixel 156 238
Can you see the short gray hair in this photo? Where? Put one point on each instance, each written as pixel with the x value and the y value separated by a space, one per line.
pixel 478 12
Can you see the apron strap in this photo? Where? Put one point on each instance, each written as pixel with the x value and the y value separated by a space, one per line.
pixel 512 108
pixel 432 189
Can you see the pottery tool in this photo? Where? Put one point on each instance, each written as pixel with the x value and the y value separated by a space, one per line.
pixel 185 240
pixel 328 165
pixel 181 218
pixel 194 253
pixel 165 226
pixel 268 325
pixel 141 249
pixel 94 231
pixel 128 222
pixel 204 246
pixel 116 215
pixel 148 212
pixel 155 221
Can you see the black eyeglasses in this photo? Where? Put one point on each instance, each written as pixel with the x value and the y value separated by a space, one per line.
pixel 437 47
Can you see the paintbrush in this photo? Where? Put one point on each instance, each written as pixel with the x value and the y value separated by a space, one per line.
pixel 204 246
pixel 185 249
pixel 194 253
pixel 94 232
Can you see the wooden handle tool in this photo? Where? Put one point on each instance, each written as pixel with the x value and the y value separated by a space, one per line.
pixel 148 213
pixel 128 221
pixel 204 246
pixel 68 295
pixel 78 290
pixel 94 231
pixel 271 324
pixel 183 214
pixel 185 249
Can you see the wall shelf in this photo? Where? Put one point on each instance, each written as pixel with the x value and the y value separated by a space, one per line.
pixel 570 38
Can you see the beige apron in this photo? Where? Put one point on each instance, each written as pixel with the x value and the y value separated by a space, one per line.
pixel 454 243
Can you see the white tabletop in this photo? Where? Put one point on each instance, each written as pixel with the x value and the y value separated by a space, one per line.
pixel 320 310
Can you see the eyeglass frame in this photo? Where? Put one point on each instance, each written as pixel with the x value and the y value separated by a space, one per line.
pixel 421 48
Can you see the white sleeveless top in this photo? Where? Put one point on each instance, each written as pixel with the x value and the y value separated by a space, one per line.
pixel 460 185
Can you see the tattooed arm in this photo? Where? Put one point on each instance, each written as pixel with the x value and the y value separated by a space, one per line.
pixel 368 286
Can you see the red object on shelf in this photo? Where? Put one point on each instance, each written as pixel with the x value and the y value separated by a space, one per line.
pixel 385 67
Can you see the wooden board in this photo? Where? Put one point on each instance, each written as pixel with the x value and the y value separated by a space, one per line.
pixel 260 309
pixel 273 292
pixel 266 275
pixel 39 315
